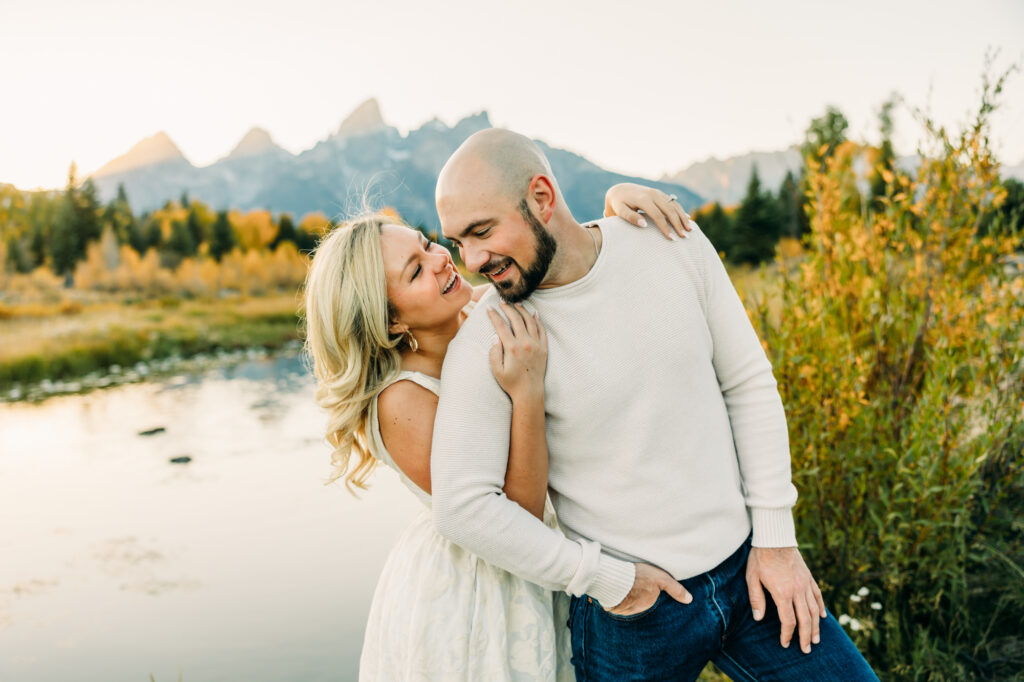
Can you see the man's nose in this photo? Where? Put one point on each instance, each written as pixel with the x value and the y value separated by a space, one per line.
pixel 474 258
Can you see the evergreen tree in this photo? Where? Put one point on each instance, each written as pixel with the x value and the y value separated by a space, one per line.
pixel 222 240
pixel 821 138
pixel 180 241
pixel 37 244
pixel 886 155
pixel 1009 219
pixel 120 218
pixel 716 225
pixel 757 225
pixel 790 202
pixel 137 239
pixel 194 227
pixel 18 257
pixel 65 244
pixel 87 214
pixel 285 231
pixel 152 234
pixel 305 241
pixel 824 134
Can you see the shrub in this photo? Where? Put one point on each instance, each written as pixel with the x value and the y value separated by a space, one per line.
pixel 897 343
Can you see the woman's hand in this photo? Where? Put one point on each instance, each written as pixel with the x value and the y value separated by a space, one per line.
pixel 520 356
pixel 627 199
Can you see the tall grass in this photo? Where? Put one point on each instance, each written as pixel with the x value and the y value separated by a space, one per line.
pixel 96 338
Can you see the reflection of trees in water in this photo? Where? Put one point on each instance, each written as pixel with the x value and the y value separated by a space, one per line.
pixel 272 385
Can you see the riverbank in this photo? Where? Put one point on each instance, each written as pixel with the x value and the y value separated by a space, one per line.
pixel 71 347
pixel 67 346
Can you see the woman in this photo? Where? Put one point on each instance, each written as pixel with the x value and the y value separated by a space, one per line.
pixel 382 304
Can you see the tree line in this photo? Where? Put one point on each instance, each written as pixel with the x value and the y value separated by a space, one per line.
pixel 749 232
pixel 55 229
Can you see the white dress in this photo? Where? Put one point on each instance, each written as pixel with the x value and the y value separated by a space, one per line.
pixel 441 613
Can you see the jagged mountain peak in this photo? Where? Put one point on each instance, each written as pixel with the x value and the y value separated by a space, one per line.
pixel 366 118
pixel 478 121
pixel 401 169
pixel 725 180
pixel 154 149
pixel 255 142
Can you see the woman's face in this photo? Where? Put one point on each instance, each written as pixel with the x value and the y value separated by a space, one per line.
pixel 423 284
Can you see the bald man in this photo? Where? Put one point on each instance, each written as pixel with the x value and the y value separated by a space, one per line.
pixel 669 461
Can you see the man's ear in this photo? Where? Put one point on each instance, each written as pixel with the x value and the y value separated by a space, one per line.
pixel 542 191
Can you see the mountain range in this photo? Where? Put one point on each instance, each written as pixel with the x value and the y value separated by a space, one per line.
pixel 364 157
pixel 367 157
pixel 726 180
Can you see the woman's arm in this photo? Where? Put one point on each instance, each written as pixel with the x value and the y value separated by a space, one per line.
pixel 518 362
pixel 632 202
pixel 406 412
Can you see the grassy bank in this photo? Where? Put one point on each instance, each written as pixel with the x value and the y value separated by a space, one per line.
pixel 66 341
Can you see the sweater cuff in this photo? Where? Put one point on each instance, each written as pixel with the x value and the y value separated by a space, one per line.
pixel 613 581
pixel 773 527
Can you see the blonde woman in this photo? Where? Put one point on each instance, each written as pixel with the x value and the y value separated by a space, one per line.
pixel 382 304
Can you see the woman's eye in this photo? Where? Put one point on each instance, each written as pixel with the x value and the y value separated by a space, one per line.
pixel 483 232
pixel 416 271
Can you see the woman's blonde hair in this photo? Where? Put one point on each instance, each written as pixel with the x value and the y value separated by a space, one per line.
pixel 354 355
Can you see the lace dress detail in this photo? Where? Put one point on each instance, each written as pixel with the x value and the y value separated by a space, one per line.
pixel 441 613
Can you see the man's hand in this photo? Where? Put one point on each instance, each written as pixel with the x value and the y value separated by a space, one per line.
pixel 782 571
pixel 650 581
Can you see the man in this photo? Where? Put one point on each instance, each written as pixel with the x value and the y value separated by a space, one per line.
pixel 667 439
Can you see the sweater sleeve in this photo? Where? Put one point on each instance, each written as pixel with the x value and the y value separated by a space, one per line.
pixel 754 406
pixel 468 459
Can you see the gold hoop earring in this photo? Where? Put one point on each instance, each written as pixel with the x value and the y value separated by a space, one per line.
pixel 411 341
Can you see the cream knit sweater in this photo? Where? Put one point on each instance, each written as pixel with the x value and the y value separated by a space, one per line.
pixel 666 432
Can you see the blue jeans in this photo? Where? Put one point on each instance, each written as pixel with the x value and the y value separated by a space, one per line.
pixel 673 641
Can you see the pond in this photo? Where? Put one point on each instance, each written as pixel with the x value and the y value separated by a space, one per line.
pixel 240 564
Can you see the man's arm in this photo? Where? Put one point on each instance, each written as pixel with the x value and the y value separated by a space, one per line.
pixel 754 406
pixel 468 461
pixel 758 423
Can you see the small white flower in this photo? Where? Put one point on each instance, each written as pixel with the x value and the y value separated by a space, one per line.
pixel 844 619
pixel 854 597
pixel 877 606
pixel 863 592
pixel 855 624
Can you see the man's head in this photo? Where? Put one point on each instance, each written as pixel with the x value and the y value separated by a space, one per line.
pixel 496 197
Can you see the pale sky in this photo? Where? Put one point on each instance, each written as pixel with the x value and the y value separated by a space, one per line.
pixel 642 87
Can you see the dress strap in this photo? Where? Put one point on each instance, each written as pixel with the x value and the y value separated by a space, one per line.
pixel 428 382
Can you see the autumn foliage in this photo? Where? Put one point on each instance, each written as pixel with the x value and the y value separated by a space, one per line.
pixel 897 337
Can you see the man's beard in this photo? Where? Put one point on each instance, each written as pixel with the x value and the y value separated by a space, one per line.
pixel 530 278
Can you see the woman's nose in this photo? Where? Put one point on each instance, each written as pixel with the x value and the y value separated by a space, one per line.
pixel 441 260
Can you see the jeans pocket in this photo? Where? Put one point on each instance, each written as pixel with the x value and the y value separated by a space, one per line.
pixel 662 596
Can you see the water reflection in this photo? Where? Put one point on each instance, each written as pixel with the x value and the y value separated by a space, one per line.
pixel 239 565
